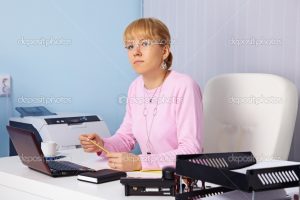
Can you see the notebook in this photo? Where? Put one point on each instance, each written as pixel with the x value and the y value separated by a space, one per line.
pixel 101 176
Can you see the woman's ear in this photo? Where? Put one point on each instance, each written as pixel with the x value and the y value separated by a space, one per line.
pixel 166 52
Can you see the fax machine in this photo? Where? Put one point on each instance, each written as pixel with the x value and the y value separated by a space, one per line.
pixel 63 128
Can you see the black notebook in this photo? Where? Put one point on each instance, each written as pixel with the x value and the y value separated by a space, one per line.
pixel 101 176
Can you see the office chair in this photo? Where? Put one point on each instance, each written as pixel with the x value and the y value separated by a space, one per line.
pixel 250 112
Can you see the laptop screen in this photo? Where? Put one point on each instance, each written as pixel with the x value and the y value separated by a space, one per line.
pixel 28 149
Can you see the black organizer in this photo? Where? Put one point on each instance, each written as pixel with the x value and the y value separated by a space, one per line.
pixel 198 194
pixel 216 168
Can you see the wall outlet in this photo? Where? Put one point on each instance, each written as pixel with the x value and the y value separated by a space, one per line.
pixel 5 85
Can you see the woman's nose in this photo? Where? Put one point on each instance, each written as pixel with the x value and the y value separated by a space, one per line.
pixel 137 51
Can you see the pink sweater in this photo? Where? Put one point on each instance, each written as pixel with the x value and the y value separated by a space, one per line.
pixel 176 127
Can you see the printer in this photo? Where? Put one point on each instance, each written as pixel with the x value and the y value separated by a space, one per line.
pixel 63 128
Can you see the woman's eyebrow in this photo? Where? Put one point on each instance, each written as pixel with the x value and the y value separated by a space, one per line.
pixel 128 42
pixel 133 40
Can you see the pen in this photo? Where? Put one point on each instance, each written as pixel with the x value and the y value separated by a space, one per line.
pixel 102 148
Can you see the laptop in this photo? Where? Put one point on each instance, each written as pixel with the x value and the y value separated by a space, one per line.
pixel 32 156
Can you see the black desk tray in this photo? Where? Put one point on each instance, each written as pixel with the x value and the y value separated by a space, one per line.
pixel 216 168
pixel 198 194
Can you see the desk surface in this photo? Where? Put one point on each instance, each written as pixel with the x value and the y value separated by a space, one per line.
pixel 16 177
pixel 17 180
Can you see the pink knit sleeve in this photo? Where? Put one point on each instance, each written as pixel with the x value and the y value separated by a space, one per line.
pixel 123 140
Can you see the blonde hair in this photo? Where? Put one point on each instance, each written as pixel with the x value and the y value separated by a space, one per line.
pixel 149 28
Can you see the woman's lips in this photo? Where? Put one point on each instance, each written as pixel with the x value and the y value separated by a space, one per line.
pixel 138 62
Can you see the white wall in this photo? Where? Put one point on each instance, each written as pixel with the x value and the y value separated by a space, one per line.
pixel 210 38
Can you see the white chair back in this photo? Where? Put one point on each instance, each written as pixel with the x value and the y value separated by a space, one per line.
pixel 250 112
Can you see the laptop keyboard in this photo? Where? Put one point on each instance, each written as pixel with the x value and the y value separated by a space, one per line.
pixel 66 166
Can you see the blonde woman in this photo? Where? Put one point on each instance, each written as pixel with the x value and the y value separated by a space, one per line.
pixel 164 107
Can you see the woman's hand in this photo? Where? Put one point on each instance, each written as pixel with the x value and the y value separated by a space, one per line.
pixel 89 146
pixel 124 161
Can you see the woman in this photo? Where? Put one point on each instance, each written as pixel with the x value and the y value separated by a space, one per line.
pixel 164 108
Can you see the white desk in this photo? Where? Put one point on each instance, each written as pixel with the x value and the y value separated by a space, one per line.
pixel 19 182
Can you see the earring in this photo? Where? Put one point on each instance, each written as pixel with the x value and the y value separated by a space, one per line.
pixel 163 65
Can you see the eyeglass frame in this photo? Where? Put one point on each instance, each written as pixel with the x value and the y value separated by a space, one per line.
pixel 140 44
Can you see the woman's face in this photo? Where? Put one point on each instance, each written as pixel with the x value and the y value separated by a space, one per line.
pixel 146 55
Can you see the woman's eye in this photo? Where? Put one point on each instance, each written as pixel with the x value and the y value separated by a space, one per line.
pixel 145 43
pixel 129 47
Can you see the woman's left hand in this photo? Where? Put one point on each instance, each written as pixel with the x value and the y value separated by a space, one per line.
pixel 124 161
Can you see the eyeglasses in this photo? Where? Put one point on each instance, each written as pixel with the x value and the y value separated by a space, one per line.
pixel 142 44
